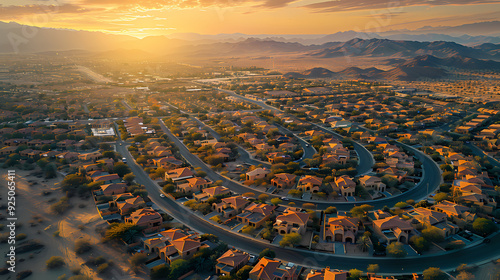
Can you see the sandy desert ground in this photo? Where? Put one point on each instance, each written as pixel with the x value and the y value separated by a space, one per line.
pixel 80 222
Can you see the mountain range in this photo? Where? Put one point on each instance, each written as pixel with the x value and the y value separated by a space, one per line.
pixel 419 67
pixel 28 39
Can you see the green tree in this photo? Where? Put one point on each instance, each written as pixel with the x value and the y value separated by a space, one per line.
pixel 178 268
pixel 243 273
pixel 360 211
pixel 355 273
pixel 50 170
pixel 374 268
pixel 396 249
pixel 275 201
pixel 159 272
pixel 464 275
pixel 434 273
pixel 440 197
pixel 121 169
pixel 263 197
pixel 419 243
pixel 331 210
pixel 432 234
pixel 267 253
pixel 290 239
pixel 483 226
pixel 124 231
pixel 129 178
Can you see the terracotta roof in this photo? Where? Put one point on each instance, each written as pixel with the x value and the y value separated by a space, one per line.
pixel 393 222
pixel 185 244
pixel 294 217
pixel 233 257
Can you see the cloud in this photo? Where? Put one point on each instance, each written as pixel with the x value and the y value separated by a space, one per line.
pixel 355 5
pixel 160 4
pixel 13 12
pixel 272 4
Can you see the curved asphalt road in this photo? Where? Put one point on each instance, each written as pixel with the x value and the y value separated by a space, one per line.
pixel 431 180
pixel 366 160
pixel 446 261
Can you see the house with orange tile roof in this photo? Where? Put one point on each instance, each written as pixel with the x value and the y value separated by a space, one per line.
pixel 291 221
pixel 327 274
pixel 90 156
pixel 216 191
pixel 113 188
pixel 372 182
pixel 451 209
pixel 193 184
pixel 256 214
pixel 107 179
pixel 179 174
pixel 393 229
pixel 267 269
pixel 230 206
pixel 147 218
pixel 341 229
pixel 283 180
pixel 231 261
pixel 422 217
pixel 129 205
pixel 344 185
pixel 174 244
pixel 309 183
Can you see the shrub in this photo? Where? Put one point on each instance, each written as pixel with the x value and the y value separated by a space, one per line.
pixel 55 262
pixel 82 246
pixel 434 273
pixel 137 259
pixel 159 272
pixel 396 250
pixel 267 253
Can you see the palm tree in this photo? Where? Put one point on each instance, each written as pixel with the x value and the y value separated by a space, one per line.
pixel 364 243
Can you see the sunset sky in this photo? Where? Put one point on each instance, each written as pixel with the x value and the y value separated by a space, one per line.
pixel 163 17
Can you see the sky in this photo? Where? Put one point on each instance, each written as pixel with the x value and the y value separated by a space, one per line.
pixel 163 17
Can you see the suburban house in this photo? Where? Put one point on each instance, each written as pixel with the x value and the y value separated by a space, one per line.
pixel 231 261
pixel 291 221
pixel 344 185
pixel 310 183
pixel 341 229
pixel 423 217
pixel 258 173
pixel 125 207
pixel 112 189
pixel 327 274
pixel 451 209
pixel 372 182
pixel 393 229
pixel 193 184
pixel 174 244
pixel 267 269
pixel 256 214
pixel 179 174
pixel 284 180
pixel 230 206
pixel 107 179
pixel 146 218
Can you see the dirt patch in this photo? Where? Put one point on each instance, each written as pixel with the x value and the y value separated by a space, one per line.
pixel 58 233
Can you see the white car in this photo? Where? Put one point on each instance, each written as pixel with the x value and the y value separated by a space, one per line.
pixel 162 195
